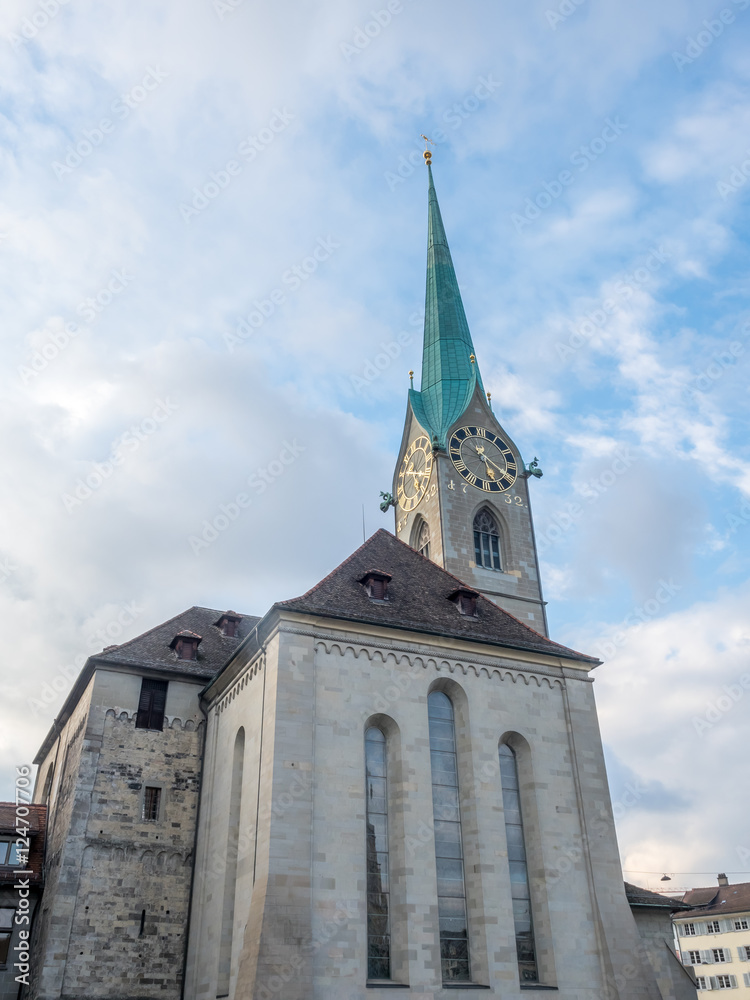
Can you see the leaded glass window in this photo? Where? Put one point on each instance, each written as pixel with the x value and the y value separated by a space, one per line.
pixel 454 935
pixel 486 541
pixel 423 540
pixel 378 888
pixel 519 872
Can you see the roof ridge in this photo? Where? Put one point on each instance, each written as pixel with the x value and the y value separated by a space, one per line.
pixel 534 636
pixel 142 635
pixel 293 600
pixel 510 614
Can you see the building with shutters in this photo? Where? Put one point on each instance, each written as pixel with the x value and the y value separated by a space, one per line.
pixel 393 782
pixel 714 937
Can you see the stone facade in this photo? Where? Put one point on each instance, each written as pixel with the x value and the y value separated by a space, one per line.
pixel 449 508
pixel 299 929
pixel 114 918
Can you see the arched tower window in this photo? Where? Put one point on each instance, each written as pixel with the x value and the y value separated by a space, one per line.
pixel 230 872
pixel 519 872
pixel 378 887
pixel 454 935
pixel 486 541
pixel 421 538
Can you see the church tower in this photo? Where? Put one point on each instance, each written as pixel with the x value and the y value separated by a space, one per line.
pixel 460 486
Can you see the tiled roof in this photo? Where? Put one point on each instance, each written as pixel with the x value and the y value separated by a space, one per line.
pixel 152 648
pixel 718 901
pixel 418 600
pixel 151 651
pixel 644 897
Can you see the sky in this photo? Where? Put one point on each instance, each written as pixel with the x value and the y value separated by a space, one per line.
pixel 212 245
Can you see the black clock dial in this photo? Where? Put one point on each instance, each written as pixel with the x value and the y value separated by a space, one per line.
pixel 483 459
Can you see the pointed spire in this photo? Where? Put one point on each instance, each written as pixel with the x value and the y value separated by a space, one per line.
pixel 449 371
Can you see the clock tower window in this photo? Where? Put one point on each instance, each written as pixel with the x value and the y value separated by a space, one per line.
pixel 421 537
pixel 486 541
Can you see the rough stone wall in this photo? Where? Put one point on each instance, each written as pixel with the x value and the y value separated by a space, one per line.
pixel 450 514
pixel 65 834
pixel 134 869
pixel 109 869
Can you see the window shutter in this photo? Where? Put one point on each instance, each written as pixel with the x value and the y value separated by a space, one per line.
pixel 700 928
pixel 714 982
pixel 746 977
pixel 742 954
pixel 727 953
pixel 685 955
pixel 733 980
pixel 707 957
pixel 144 707
pixel 726 925
pixel 158 705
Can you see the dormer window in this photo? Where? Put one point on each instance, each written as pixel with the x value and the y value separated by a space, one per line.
pixel 466 601
pixel 229 624
pixel 376 583
pixel 185 644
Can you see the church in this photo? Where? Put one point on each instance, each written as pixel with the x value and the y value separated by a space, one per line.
pixel 394 782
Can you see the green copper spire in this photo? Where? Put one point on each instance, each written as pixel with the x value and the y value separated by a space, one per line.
pixel 449 376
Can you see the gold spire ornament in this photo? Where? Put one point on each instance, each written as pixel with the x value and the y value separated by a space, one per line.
pixel 411 378
pixel 427 154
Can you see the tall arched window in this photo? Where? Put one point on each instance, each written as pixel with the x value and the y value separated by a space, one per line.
pixel 519 873
pixel 230 872
pixel 378 888
pixel 486 541
pixel 454 935
pixel 422 539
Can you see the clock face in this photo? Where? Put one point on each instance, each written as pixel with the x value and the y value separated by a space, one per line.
pixel 414 474
pixel 483 459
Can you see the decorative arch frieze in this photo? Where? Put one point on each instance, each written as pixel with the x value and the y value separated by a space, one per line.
pixel 400 657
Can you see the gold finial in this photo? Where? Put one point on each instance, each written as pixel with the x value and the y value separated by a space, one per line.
pixel 489 398
pixel 472 358
pixel 411 377
pixel 427 154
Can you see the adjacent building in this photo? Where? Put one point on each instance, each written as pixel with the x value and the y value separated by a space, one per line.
pixel 22 833
pixel 714 936
pixel 653 917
